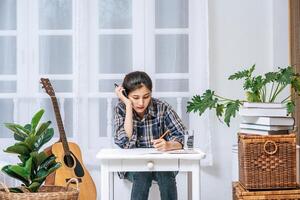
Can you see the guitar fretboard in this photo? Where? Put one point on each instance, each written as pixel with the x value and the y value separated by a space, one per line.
pixel 60 125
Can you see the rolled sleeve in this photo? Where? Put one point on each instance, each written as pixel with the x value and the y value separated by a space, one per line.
pixel 121 138
pixel 175 125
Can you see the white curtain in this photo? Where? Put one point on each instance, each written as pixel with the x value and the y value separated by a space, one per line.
pixel 161 37
pixel 8 60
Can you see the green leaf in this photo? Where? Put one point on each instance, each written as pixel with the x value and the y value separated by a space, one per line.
pixel 34 186
pixel 18 134
pixel 208 101
pixel 219 110
pixel 42 128
pixel 258 83
pixel 230 111
pixel 44 138
pixel 15 190
pixel 48 162
pixel 54 167
pixel 36 119
pixel 253 97
pixel 285 75
pixel 38 158
pixel 271 77
pixel 28 127
pixel 21 172
pixel 254 84
pixel 247 84
pixel 43 173
pixel 23 158
pixel 28 165
pixel 251 70
pixel 16 128
pixel 6 169
pixel 201 104
pixel 19 138
pixel 290 106
pixel 30 141
pixel 296 84
pixel 18 148
pixel 242 74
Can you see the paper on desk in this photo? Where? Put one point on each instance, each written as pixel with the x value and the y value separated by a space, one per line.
pixel 145 151
pixel 178 151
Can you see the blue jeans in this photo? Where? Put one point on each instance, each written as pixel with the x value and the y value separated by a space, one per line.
pixel 142 182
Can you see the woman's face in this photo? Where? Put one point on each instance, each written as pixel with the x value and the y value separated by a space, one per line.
pixel 140 98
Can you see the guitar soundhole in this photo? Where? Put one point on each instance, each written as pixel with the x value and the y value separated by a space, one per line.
pixel 69 161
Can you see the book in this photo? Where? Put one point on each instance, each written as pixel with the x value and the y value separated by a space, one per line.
pixel 263 132
pixel 265 127
pixel 279 121
pixel 263 105
pixel 263 112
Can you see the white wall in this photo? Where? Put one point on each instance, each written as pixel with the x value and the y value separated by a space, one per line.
pixel 241 33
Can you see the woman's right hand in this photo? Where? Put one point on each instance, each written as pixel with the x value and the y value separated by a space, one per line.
pixel 119 92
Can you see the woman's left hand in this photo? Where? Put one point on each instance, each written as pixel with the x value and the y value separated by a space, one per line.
pixel 163 145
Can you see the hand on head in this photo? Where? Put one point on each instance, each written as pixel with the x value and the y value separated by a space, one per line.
pixel 119 92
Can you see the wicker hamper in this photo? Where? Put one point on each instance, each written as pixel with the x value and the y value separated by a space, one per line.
pixel 267 161
pixel 240 193
pixel 44 193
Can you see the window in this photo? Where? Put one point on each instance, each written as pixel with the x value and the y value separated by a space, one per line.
pixel 86 46
pixel 162 38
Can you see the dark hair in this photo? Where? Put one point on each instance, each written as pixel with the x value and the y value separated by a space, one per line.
pixel 135 80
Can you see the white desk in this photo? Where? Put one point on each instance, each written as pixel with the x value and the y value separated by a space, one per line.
pixel 114 160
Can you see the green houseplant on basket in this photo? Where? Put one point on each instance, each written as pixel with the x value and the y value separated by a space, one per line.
pixel 262 88
pixel 35 165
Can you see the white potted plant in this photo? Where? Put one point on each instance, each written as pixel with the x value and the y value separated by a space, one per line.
pixel 260 89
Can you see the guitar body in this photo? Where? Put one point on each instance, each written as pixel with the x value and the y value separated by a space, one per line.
pixel 77 170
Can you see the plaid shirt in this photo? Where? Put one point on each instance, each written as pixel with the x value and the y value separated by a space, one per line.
pixel 159 117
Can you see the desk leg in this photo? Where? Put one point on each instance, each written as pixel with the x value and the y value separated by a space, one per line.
pixel 196 182
pixel 104 182
pixel 111 185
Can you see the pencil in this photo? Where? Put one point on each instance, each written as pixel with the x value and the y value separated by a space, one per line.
pixel 165 133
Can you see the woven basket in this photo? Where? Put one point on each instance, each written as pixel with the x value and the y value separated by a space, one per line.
pixel 240 193
pixel 44 193
pixel 267 161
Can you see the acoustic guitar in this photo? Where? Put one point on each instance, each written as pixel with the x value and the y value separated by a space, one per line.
pixel 69 155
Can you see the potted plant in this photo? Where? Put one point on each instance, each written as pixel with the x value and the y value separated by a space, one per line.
pixel 35 165
pixel 262 88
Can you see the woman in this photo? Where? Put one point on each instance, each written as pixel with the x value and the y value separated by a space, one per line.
pixel 139 122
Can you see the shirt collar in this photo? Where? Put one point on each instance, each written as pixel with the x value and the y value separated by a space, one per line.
pixel 151 109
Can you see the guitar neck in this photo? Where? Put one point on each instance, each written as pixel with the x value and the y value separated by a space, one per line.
pixel 62 133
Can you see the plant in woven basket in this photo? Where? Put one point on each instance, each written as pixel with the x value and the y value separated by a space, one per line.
pixel 35 165
pixel 262 88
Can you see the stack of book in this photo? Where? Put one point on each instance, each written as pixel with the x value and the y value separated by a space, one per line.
pixel 265 119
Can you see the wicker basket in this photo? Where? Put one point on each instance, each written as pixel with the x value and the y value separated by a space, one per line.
pixel 267 161
pixel 240 193
pixel 44 193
